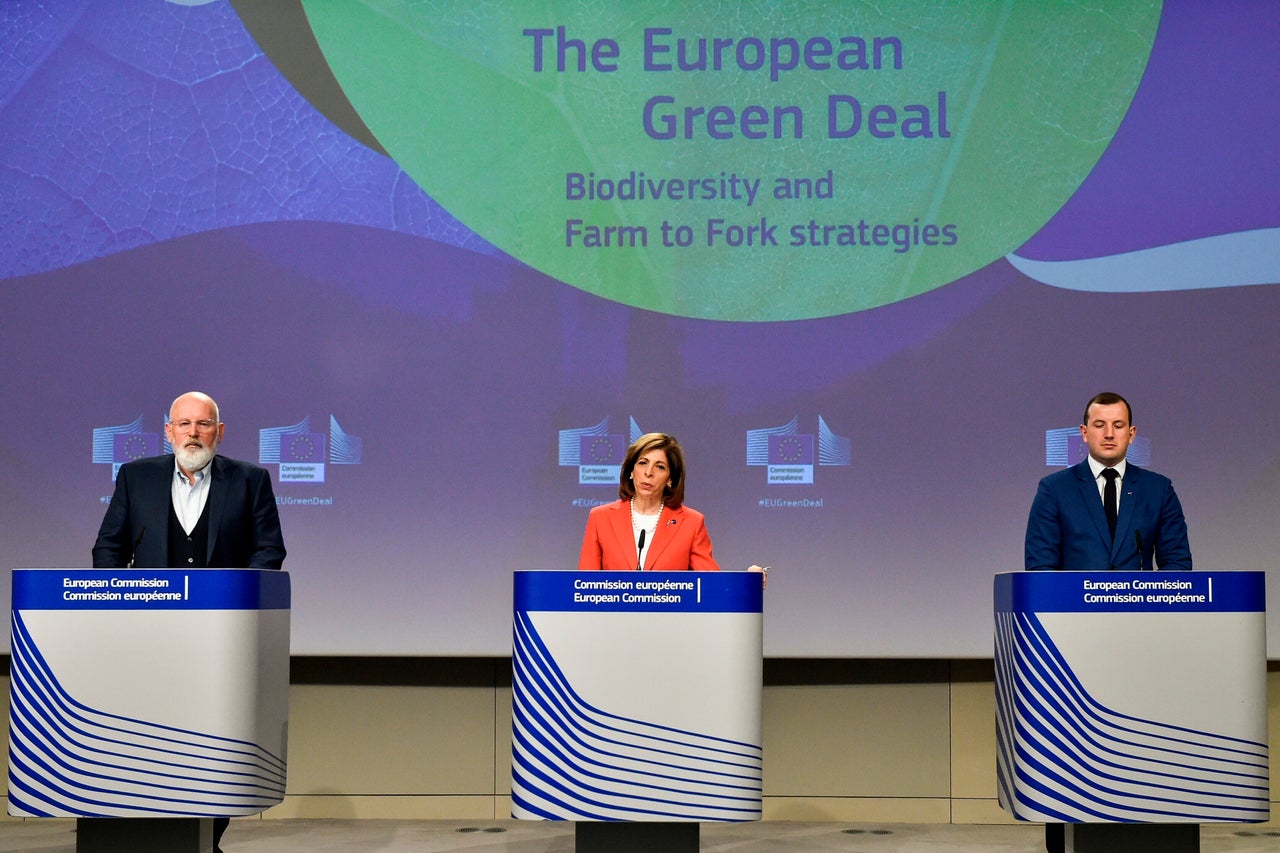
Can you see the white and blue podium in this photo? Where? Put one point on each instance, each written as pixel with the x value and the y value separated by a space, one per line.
pixel 153 693
pixel 1131 697
pixel 636 699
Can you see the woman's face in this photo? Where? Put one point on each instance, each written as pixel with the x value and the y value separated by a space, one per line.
pixel 651 475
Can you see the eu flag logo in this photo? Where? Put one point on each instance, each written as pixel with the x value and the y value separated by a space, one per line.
pixel 600 459
pixel 302 447
pixel 602 450
pixel 126 447
pixel 790 450
pixel 790 460
pixel 301 457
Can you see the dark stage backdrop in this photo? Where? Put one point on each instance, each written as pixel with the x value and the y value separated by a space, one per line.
pixel 440 261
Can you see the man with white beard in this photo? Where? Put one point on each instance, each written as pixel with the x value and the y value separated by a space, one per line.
pixel 192 508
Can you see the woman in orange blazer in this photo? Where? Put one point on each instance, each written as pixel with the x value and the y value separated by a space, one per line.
pixel 649 527
pixel 651 492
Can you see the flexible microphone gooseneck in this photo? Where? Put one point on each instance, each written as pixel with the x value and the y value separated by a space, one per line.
pixel 133 558
pixel 640 553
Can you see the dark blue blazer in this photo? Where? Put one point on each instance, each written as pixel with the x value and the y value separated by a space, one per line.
pixel 1067 528
pixel 244 524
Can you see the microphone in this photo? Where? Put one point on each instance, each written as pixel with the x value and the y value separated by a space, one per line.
pixel 640 553
pixel 1137 537
pixel 133 558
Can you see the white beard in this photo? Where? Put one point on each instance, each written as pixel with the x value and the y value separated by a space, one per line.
pixel 193 458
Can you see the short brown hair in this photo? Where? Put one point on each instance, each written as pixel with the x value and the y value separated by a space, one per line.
pixel 674 494
pixel 1107 398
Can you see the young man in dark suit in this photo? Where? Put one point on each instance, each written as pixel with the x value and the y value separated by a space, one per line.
pixel 1069 527
pixel 1105 513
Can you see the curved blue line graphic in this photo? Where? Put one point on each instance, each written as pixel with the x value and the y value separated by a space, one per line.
pixel 1064 756
pixel 68 759
pixel 573 761
pixel 1226 260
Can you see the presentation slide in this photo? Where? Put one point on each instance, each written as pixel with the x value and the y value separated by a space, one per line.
pixel 440 262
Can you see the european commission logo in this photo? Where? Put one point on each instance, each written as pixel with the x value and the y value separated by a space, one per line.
pixel 303 453
pixel 1064 447
pixel 116 445
pixel 790 456
pixel 597 451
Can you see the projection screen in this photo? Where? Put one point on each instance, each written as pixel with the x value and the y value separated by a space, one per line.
pixel 439 262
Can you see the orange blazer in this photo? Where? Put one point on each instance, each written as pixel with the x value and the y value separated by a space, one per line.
pixel 680 543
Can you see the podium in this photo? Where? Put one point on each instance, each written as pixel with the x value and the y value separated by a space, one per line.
pixel 151 696
pixel 1131 698
pixel 636 704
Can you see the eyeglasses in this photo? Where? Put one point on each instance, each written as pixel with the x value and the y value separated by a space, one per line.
pixel 200 426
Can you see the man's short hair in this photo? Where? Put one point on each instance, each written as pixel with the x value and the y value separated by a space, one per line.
pixel 1106 398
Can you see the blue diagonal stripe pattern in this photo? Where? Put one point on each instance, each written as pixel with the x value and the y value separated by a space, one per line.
pixel 104 439
pixel 571 441
pixel 758 440
pixel 1063 756
pixel 70 760
pixel 833 449
pixel 269 440
pixel 573 761
pixel 344 449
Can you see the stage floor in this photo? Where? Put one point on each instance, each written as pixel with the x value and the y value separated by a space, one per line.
pixel 250 835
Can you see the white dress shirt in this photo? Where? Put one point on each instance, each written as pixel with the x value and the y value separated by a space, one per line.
pixel 189 498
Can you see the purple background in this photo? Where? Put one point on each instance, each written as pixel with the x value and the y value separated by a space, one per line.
pixel 174 215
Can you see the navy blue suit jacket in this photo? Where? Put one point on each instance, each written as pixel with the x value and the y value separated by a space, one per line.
pixel 1067 528
pixel 244 524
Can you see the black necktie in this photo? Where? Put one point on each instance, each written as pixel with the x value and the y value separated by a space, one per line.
pixel 1109 498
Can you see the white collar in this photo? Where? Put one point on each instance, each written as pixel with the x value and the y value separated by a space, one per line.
pixel 1096 467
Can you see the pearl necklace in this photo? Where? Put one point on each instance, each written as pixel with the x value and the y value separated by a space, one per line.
pixel 636 527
